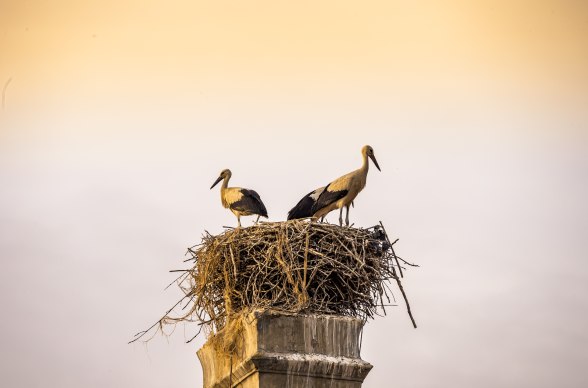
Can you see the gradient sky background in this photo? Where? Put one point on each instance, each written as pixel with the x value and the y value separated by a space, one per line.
pixel 120 115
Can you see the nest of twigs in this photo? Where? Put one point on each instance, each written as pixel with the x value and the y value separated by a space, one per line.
pixel 292 267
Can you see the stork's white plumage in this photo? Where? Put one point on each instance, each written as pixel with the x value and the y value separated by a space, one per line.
pixel 342 191
pixel 242 202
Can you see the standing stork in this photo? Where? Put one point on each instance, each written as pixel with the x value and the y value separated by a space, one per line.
pixel 342 191
pixel 242 202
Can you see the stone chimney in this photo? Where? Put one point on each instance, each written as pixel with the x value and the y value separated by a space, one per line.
pixel 289 351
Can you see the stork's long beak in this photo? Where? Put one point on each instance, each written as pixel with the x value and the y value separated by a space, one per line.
pixel 220 178
pixel 373 158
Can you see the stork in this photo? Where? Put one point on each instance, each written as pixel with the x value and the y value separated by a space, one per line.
pixel 342 191
pixel 242 202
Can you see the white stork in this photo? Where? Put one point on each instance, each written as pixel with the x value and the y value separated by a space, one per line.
pixel 342 191
pixel 242 202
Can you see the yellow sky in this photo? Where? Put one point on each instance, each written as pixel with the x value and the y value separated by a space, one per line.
pixel 284 43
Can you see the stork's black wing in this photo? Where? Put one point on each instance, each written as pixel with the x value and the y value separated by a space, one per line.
pixel 250 203
pixel 303 208
pixel 327 197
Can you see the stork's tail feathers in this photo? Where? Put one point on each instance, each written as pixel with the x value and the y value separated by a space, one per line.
pixel 261 210
pixel 301 210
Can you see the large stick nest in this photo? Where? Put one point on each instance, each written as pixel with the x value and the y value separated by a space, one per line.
pixel 293 267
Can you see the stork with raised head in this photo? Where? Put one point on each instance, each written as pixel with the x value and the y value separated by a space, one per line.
pixel 342 191
pixel 242 202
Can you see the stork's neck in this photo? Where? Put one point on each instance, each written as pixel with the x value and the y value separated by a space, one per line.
pixel 223 191
pixel 225 182
pixel 366 164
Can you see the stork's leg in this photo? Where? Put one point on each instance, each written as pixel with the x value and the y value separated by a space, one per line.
pixel 341 216
pixel 239 220
pixel 257 221
pixel 347 216
pixel 323 219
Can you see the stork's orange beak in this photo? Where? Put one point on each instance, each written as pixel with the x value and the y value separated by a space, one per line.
pixel 220 178
pixel 373 158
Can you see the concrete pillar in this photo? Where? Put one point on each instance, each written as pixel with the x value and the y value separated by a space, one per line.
pixel 289 351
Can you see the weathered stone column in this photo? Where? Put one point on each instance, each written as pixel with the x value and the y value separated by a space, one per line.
pixel 289 351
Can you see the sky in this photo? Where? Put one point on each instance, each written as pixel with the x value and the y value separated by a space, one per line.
pixel 117 117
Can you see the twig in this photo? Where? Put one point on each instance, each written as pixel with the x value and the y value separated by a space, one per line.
pixel 406 301
pixel 398 279
pixel 392 248
pixel 176 279
pixel 142 333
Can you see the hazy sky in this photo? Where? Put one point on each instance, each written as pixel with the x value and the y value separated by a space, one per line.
pixel 120 114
